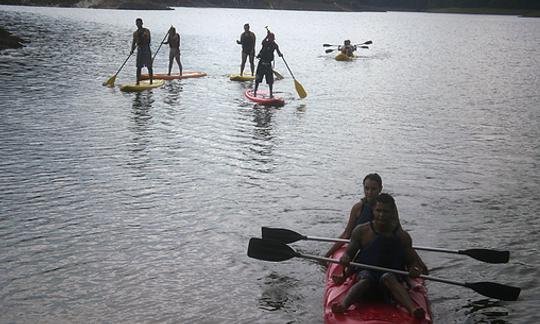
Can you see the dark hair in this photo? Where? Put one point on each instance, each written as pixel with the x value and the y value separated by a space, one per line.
pixel 138 19
pixel 386 199
pixel 375 177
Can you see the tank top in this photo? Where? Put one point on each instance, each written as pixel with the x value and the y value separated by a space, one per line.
pixel 382 251
pixel 366 215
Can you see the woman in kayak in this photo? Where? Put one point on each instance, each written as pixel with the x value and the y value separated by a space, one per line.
pixel 347 48
pixel 362 212
pixel 264 68
pixel 174 49
pixel 381 242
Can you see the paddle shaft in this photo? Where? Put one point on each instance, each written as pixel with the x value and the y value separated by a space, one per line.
pixel 287 65
pixel 155 54
pixel 121 67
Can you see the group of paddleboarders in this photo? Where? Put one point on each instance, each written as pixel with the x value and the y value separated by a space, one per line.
pixel 266 57
pixel 377 238
pixel 141 42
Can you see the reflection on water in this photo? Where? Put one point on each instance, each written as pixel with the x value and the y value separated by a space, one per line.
pixel 486 311
pixel 278 293
pixel 174 92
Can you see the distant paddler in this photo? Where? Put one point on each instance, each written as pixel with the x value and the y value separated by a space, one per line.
pixel 174 49
pixel 347 48
pixel 247 40
pixel 141 41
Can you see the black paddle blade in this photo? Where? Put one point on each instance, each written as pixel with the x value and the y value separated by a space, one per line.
pixel 329 51
pixel 490 256
pixel 268 250
pixel 368 42
pixel 328 45
pixel 495 290
pixel 281 235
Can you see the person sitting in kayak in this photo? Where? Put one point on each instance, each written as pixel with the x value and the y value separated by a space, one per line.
pixel 247 40
pixel 174 49
pixel 347 48
pixel 362 212
pixel 381 242
pixel 141 41
pixel 264 68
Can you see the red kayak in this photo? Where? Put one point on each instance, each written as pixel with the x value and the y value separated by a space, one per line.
pixel 370 313
pixel 263 98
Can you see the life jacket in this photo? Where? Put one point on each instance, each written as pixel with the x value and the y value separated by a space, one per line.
pixel 383 251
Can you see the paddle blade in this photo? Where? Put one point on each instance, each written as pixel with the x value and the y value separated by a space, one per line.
pixel 268 250
pixel 490 256
pixel 300 89
pixel 364 46
pixel 282 235
pixel 328 45
pixel 329 50
pixel 110 82
pixel 278 75
pixel 495 290
pixel 368 42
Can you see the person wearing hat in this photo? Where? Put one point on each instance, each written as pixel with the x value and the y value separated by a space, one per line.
pixel 247 40
pixel 266 56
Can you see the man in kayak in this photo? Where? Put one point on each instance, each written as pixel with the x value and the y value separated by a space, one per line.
pixel 141 41
pixel 347 48
pixel 381 242
pixel 264 68
pixel 174 49
pixel 247 40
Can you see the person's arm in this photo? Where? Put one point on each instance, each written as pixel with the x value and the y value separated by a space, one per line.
pixel 239 42
pixel 414 267
pixel 351 223
pixel 133 43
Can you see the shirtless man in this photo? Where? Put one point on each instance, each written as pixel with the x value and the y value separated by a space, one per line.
pixel 247 40
pixel 141 41
pixel 381 242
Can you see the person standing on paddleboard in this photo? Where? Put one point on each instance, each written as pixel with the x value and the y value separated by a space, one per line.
pixel 174 49
pixel 141 41
pixel 264 68
pixel 247 40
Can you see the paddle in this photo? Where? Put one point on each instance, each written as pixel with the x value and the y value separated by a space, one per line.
pixel 299 88
pixel 278 75
pixel 287 236
pixel 364 43
pixel 110 82
pixel 155 54
pixel 330 50
pixel 269 250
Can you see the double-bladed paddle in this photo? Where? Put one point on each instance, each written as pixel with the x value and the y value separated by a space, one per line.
pixel 364 43
pixel 269 250
pixel 287 236
pixel 330 50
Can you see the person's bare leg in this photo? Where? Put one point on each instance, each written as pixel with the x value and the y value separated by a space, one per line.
pixel 243 64
pixel 401 296
pixel 355 293
pixel 138 75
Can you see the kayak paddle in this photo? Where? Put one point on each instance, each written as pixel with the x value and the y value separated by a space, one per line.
pixel 330 50
pixel 110 82
pixel 287 236
pixel 364 43
pixel 269 250
pixel 299 88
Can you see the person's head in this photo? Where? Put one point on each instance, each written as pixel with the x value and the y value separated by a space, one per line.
pixel 372 186
pixel 347 42
pixel 385 213
pixel 270 37
pixel 172 31
pixel 138 22
pixel 246 27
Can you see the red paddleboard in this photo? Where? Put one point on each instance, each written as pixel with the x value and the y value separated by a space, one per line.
pixel 174 76
pixel 263 98
pixel 371 312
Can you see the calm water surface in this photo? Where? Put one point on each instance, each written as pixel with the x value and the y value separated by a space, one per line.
pixel 137 208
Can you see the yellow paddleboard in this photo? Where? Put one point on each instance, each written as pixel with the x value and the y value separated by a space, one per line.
pixel 143 85
pixel 246 77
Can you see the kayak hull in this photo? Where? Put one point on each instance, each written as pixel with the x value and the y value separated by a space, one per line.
pixel 143 85
pixel 343 57
pixel 263 98
pixel 244 77
pixel 174 76
pixel 372 312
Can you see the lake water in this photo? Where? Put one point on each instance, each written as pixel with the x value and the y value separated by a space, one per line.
pixel 137 208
